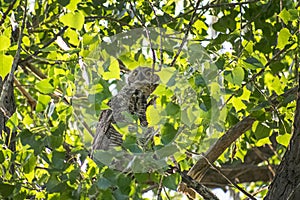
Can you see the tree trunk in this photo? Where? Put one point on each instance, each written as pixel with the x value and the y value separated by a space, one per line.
pixel 286 184
pixel 9 105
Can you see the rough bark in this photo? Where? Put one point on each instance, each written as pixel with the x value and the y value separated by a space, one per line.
pixel 10 106
pixel 286 184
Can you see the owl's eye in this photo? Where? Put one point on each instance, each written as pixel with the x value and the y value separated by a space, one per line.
pixel 134 73
pixel 148 73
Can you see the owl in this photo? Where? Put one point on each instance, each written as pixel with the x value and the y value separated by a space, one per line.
pixel 132 100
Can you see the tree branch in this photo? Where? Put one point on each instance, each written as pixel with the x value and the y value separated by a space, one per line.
pixel 198 187
pixel 198 170
pixel 9 81
pixel 240 174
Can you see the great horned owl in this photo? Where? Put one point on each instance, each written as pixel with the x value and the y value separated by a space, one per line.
pixel 131 99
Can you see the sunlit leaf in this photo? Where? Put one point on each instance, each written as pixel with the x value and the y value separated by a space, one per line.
pixel 44 86
pixel 73 20
pixel 285 16
pixel 283 38
pixel 4 42
pixel 283 139
pixel 6 62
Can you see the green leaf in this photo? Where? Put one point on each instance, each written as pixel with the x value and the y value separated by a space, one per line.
pixel 28 138
pixel 166 151
pixel 166 74
pixel 44 86
pixel 283 38
pixel 59 130
pixel 73 37
pixel 2 157
pixel 253 63
pixel 6 189
pixel 30 164
pixel 43 101
pixel 238 104
pixel 63 2
pixel 283 139
pixel 4 42
pixel 73 20
pixel 285 16
pixel 58 158
pixel 5 64
pixel 113 70
pixel 262 131
pixel 168 133
pixel 13 121
pixel 171 181
pixel 277 66
pixel 103 184
pixel 188 116
pixel 238 75
pixel 172 108
pixel 153 115
pixel 72 6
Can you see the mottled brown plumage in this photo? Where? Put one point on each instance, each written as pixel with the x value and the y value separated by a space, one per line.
pixel 132 100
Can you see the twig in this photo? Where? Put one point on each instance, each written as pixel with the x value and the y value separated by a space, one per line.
pixel 159 189
pixel 257 74
pixel 149 188
pixel 84 124
pixel 160 35
pixel 45 45
pixel 166 193
pixel 147 34
pixel 10 7
pixel 208 6
pixel 35 70
pixel 29 98
pixel 90 18
pixel 10 77
pixel 226 4
pixel 184 40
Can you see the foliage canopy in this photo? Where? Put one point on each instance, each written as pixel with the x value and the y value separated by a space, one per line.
pixel 237 59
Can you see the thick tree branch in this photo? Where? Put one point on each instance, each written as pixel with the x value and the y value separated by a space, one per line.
pixel 198 170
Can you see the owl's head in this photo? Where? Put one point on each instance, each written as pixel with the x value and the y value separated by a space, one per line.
pixel 142 76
